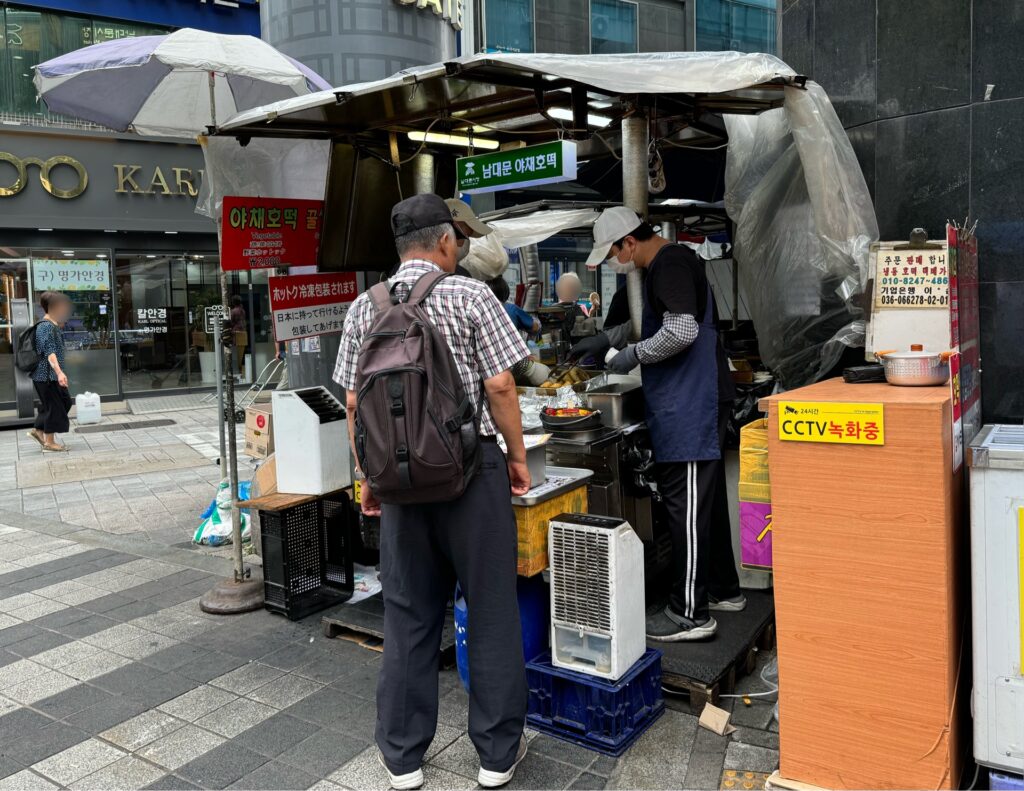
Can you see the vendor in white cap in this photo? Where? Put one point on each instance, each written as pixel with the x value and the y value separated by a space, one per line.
pixel 467 226
pixel 686 378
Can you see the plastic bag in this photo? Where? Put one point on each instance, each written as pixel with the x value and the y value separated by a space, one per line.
pixel 216 529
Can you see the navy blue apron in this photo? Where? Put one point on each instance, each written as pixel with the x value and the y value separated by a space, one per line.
pixel 682 393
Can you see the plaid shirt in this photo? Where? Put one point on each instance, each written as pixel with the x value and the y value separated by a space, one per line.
pixel 479 332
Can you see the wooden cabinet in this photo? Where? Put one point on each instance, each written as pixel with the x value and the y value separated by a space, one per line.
pixel 871 595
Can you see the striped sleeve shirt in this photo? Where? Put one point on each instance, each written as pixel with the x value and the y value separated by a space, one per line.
pixel 482 338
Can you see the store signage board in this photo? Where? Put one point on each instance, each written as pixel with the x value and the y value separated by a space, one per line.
pixel 70 274
pixel 832 422
pixel 304 306
pixel 912 278
pixel 546 163
pixel 213 316
pixel 265 233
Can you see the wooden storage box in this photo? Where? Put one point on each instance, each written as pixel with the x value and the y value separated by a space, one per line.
pixel 870 594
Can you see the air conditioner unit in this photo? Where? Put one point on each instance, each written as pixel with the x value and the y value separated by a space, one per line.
pixel 597 595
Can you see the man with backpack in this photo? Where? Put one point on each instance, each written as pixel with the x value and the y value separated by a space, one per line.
pixel 425 361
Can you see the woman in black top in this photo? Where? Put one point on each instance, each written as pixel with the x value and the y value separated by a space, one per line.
pixel 49 379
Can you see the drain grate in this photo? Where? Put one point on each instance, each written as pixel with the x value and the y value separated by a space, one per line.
pixel 102 428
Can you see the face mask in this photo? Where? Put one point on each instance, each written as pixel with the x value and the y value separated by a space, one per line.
pixel 620 268
pixel 463 251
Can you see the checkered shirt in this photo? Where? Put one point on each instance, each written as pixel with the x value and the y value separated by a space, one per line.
pixel 479 332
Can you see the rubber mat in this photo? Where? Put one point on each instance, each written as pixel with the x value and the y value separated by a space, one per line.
pixel 709 661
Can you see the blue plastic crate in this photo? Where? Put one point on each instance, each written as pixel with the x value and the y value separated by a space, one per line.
pixel 1002 781
pixel 602 715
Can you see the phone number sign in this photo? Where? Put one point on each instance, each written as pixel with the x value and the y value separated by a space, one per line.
pixel 833 422
pixel 263 233
pixel 912 279
pixel 307 305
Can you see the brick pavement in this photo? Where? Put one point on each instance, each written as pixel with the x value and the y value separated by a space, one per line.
pixel 111 676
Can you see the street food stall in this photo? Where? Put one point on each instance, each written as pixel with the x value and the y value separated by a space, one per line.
pixel 794 204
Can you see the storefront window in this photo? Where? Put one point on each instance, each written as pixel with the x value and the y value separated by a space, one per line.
pixel 31 37
pixel 740 25
pixel 612 26
pixel 509 26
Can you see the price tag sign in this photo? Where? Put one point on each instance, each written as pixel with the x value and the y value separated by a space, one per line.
pixel 832 422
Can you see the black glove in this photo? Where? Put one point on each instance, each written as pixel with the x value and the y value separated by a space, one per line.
pixel 594 346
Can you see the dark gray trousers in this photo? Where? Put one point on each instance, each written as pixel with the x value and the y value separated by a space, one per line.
pixel 423 550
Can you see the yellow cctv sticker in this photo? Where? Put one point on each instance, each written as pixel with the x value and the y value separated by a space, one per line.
pixel 835 422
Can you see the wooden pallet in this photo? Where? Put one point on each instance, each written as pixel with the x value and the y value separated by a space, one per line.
pixel 335 630
pixel 701 692
pixel 777 782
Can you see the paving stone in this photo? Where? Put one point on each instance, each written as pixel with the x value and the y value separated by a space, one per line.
pixel 87 626
pixel 563 751
pixel 71 701
pixel 322 753
pixel 66 654
pixel 366 773
pixel 591 782
pixel 604 765
pixel 142 729
pixel 660 757
pixel 42 686
pixel 757 737
pixel 235 717
pixel 144 646
pixel 17 672
pixel 115 636
pixel 750 758
pixel 284 692
pixel 197 703
pixel 39 609
pixel 213 665
pixel 61 618
pixel 76 762
pixel 329 708
pixel 38 644
pixel 171 783
pixel 221 766
pixel 41 743
pixel 133 610
pixel 275 775
pixel 247 678
pixel 26 780
pixel 453 708
pixel 326 668
pixel 276 734
pixel 175 656
pixel 704 771
pixel 126 773
pixel 96 666
pixel 110 712
pixel 8 767
pixel 14 634
pixel 180 747
pixel 294 655
pixel 21 722
pixel 757 715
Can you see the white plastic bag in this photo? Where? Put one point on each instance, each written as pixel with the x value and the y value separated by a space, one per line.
pixel 87 408
pixel 215 530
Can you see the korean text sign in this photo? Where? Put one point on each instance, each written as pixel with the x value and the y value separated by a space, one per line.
pixel 546 163
pixel 261 233
pixel 309 305
pixel 840 423
pixel 912 279
pixel 70 274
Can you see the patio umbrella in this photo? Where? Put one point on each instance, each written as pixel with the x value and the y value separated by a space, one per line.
pixel 174 85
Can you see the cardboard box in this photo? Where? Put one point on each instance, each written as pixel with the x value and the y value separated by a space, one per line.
pixel 259 431
pixel 265 478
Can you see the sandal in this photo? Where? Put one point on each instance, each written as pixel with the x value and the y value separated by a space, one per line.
pixel 34 434
pixel 54 448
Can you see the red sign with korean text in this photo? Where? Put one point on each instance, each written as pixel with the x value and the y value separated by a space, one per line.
pixel 308 305
pixel 262 233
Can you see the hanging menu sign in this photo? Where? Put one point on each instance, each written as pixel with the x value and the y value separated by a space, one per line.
pixel 263 233
pixel 546 163
pixel 912 279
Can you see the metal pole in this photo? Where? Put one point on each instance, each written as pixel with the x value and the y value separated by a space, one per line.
pixel 219 358
pixel 423 173
pixel 228 341
pixel 634 195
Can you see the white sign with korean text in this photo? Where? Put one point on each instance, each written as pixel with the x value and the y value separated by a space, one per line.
pixel 70 274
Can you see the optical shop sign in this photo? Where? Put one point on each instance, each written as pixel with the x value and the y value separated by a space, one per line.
pixel 308 305
pixel 263 233
pixel 546 163
pixel 839 423
pixel 70 274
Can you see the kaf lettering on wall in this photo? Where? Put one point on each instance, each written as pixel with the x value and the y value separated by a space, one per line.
pixel 132 179
pixel 446 9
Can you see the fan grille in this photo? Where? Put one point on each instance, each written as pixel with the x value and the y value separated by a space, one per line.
pixel 581 576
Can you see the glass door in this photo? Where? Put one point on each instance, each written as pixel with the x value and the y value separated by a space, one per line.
pixel 13 285
pixel 202 290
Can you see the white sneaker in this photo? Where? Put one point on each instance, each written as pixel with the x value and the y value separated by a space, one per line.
pixel 409 780
pixel 488 779
pixel 735 604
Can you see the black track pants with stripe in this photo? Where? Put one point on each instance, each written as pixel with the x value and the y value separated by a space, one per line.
pixel 697 504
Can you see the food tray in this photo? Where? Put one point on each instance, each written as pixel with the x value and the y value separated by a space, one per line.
pixel 559 480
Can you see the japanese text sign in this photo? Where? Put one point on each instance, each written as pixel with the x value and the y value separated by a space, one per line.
pixel 261 233
pixel 546 163
pixel 70 274
pixel 823 421
pixel 912 279
pixel 309 305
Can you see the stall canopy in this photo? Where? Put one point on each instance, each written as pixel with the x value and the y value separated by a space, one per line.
pixel 792 186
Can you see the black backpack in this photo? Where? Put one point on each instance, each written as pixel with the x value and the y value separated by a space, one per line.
pixel 416 428
pixel 27 358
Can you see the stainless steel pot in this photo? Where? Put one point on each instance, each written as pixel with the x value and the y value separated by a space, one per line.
pixel 916 368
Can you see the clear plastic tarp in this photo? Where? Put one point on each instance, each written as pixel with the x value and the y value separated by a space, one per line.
pixel 794 189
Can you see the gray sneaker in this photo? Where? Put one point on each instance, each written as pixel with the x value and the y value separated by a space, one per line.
pixel 737 603
pixel 490 779
pixel 670 627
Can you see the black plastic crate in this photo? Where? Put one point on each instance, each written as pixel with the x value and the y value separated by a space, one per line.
pixel 337 521
pixel 295 560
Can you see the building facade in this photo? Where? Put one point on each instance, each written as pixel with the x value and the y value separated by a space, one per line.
pixel 938 128
pixel 107 218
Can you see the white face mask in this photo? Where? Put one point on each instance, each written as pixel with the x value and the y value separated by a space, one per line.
pixel 620 268
pixel 463 251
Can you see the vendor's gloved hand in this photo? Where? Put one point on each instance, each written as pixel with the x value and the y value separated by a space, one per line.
pixel 625 361
pixel 595 346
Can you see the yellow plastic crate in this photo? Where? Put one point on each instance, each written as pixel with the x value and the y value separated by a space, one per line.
pixel 754 454
pixel 532 523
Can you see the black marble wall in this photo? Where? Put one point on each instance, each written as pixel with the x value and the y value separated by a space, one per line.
pixel 932 95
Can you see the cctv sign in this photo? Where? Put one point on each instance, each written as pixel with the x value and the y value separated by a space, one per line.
pixel 546 163
pixel 837 423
